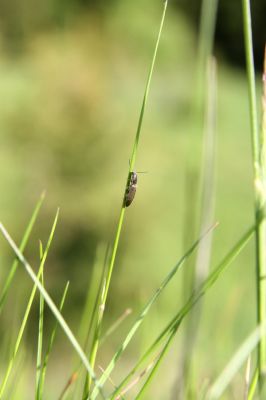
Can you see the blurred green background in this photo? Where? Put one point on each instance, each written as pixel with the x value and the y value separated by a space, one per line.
pixel 72 77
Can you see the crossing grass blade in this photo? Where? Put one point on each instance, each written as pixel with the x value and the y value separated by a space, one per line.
pixel 172 327
pixel 28 308
pixel 145 311
pixel 40 336
pixel 52 307
pixel 22 246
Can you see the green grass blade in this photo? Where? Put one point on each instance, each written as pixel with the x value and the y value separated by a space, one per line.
pixel 222 382
pixel 195 297
pixel 156 366
pixel 50 346
pixel 28 308
pixel 144 312
pixel 131 166
pixel 40 343
pixel 259 186
pixel 51 305
pixel 22 246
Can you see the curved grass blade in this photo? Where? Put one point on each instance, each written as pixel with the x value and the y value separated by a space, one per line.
pixel 144 312
pixel 22 246
pixel 175 322
pixel 28 308
pixel 52 306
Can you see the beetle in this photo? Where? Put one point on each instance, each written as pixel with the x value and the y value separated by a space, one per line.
pixel 131 188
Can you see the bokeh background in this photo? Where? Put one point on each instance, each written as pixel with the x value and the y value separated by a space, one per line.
pixel 72 77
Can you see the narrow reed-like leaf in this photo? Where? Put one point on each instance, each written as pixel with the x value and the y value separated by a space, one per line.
pixel 52 306
pixel 144 312
pixel 50 346
pixel 40 340
pixel 131 167
pixel 259 188
pixel 28 308
pixel 22 246
pixel 236 362
pixel 195 297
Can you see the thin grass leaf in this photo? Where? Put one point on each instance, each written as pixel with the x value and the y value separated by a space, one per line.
pixel 40 337
pixel 52 306
pixel 131 167
pixel 253 385
pixel 22 246
pixel 224 379
pixel 156 366
pixel 89 313
pixel 195 297
pixel 28 308
pixel 145 311
pixel 259 188
pixel 50 346
pixel 93 294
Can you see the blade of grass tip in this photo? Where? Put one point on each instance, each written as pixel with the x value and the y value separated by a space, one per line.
pixel 50 345
pixel 51 305
pixel 145 310
pixel 132 160
pixel 195 297
pixel 259 187
pixel 22 246
pixel 28 308
pixel 40 336
pixel 222 382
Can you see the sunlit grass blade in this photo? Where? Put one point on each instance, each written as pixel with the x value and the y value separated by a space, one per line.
pixel 50 346
pixel 52 306
pixel 40 336
pixel 131 166
pixel 259 187
pixel 195 297
pixel 21 247
pixel 144 312
pixel 224 379
pixel 28 308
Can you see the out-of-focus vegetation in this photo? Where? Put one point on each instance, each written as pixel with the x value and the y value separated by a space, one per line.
pixel 71 84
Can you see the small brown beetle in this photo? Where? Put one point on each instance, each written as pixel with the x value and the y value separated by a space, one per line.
pixel 131 189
